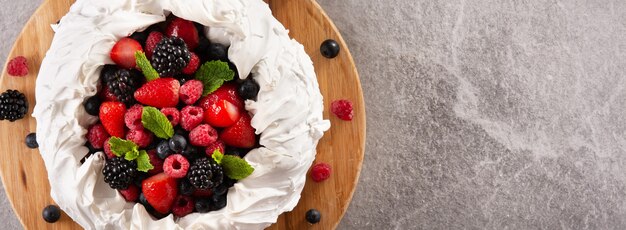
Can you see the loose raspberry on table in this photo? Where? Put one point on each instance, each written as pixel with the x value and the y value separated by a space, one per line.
pixel 217 145
pixel 131 194
pixel 343 109
pixel 320 172
pixel 140 137
pixel 203 135
pixel 132 118
pixel 176 166
pixel 18 66
pixel 183 205
pixel 191 91
pixel 172 115
pixel 192 116
pixel 97 135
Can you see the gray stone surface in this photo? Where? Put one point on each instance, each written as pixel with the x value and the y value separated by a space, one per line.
pixel 481 114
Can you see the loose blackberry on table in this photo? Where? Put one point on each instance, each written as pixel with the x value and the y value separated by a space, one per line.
pixel 13 105
pixel 170 56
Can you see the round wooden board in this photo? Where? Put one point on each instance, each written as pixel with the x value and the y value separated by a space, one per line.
pixel 25 178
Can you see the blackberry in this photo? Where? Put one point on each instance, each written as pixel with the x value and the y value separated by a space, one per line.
pixel 205 173
pixel 123 84
pixel 170 56
pixel 119 173
pixel 13 105
pixel 107 72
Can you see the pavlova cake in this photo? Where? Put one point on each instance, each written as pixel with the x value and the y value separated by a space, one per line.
pixel 176 114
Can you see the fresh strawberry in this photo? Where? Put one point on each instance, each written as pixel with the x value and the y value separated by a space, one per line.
pixel 112 117
pixel 241 134
pixel 160 93
pixel 184 29
pixel 151 42
pixel 160 191
pixel 221 114
pixel 227 92
pixel 123 52
pixel 194 62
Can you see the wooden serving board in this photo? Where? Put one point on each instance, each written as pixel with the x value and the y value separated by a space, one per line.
pixel 25 178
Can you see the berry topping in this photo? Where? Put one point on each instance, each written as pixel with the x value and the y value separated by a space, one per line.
pixel 51 213
pixel 123 52
pixel 160 191
pixel 119 173
pixel 156 162
pixel 227 92
pixel 107 72
pixel 219 202
pixel 248 89
pixel 107 149
pixel 313 216
pixel 217 51
pixel 176 166
pixel 177 143
pixel 320 172
pixel 191 91
pixel 329 48
pixel 203 135
pixel 160 93
pixel 203 205
pixel 204 173
pixel 163 149
pixel 92 105
pixel 97 135
pixel 112 117
pixel 18 66
pixel 185 188
pixel 13 105
pixel 172 115
pixel 183 205
pixel 241 134
pixel 31 141
pixel 217 145
pixel 170 56
pixel 193 65
pixel 132 118
pixel 343 109
pixel 141 137
pixel 184 29
pixel 123 84
pixel 222 114
pixel 151 42
pixel 191 117
pixel 131 194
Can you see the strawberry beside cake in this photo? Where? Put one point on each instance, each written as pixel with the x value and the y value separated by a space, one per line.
pixel 169 114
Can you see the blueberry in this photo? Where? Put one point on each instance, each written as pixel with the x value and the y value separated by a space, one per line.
pixel 220 190
pixel 178 143
pixel 329 48
pixel 203 205
pixel 248 89
pixel 185 188
pixel 92 106
pixel 219 202
pixel 51 213
pixel 163 149
pixel 217 51
pixel 31 141
pixel 191 152
pixel 313 216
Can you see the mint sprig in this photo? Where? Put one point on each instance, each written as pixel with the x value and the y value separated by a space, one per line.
pixel 130 151
pixel 213 74
pixel 143 161
pixel 155 121
pixel 145 66
pixel 234 167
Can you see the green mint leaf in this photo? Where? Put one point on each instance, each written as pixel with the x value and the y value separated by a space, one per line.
pixel 143 161
pixel 132 155
pixel 119 147
pixel 213 74
pixel 145 66
pixel 155 121
pixel 217 156
pixel 235 167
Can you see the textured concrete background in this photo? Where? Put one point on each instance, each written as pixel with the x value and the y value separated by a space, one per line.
pixel 481 114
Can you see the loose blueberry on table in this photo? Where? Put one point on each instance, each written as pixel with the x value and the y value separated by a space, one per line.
pixel 313 216
pixel 51 213
pixel 168 109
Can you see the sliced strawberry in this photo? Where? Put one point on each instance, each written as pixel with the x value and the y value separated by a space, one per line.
pixel 241 134
pixel 227 92
pixel 222 114
pixel 112 117
pixel 184 29
pixel 160 93
pixel 151 42
pixel 123 52
pixel 160 191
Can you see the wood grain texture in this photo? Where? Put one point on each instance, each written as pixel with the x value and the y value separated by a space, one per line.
pixel 25 178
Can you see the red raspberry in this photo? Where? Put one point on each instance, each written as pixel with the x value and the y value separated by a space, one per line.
pixel 131 194
pixel 320 172
pixel 140 137
pixel 132 118
pixel 97 135
pixel 343 109
pixel 203 192
pixel 191 91
pixel 151 42
pixel 194 62
pixel 203 135
pixel 176 166
pixel 172 114
pixel 107 149
pixel 18 66
pixel 183 205
pixel 213 146
pixel 192 116
pixel 156 161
